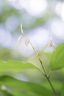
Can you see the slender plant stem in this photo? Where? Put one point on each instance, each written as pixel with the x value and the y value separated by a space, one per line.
pixel 47 77
pixel 45 74
pixel 44 71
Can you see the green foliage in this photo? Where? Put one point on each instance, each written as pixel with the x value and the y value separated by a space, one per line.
pixel 8 12
pixel 23 88
pixel 10 67
pixel 5 54
pixel 14 66
pixel 5 93
pixel 39 21
pixel 14 87
pixel 62 91
pixel 57 58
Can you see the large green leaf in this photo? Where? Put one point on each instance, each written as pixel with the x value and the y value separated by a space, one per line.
pixel 57 58
pixel 21 88
pixel 14 66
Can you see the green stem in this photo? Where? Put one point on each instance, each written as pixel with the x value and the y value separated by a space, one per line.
pixel 45 74
pixel 47 77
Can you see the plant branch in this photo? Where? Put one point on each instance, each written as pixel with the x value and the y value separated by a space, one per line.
pixel 47 77
pixel 44 71
pixel 45 74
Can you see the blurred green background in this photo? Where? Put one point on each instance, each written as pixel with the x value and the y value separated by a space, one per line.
pixel 30 31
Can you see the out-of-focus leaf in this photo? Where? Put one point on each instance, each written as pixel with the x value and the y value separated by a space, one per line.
pixel 24 88
pixel 8 12
pixel 5 93
pixel 5 54
pixel 39 21
pixel 14 66
pixel 57 59
pixel 62 91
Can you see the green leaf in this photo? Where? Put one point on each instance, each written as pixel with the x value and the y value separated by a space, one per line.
pixel 8 12
pixel 5 93
pixel 24 88
pixel 57 58
pixel 14 66
pixel 62 90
